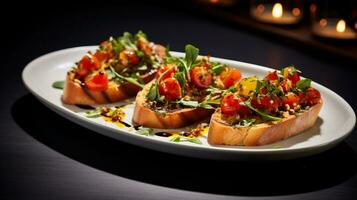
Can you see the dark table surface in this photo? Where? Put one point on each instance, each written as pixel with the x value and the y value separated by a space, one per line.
pixel 44 156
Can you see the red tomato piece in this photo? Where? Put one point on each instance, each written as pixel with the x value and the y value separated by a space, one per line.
pixel 272 76
pixel 86 64
pixel 269 104
pixel 230 77
pixel 170 89
pixel 291 99
pixel 232 105
pixel 201 77
pixel 129 57
pixel 170 68
pixel 98 82
pixel 102 56
pixel 313 96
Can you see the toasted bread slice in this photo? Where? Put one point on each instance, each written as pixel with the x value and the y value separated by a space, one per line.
pixel 220 133
pixel 76 92
pixel 145 116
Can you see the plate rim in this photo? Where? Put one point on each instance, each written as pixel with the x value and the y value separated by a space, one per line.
pixel 65 112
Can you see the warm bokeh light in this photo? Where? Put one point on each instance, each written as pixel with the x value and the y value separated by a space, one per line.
pixel 296 12
pixel 313 8
pixel 214 1
pixel 341 26
pixel 277 11
pixel 260 8
pixel 323 22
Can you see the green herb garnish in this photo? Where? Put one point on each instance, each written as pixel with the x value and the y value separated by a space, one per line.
pixel 128 79
pixel 217 69
pixel 303 84
pixel 263 114
pixel 94 113
pixel 180 138
pixel 244 123
pixel 145 131
pixel 58 85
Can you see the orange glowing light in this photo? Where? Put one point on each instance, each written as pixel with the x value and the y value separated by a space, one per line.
pixel 296 12
pixel 260 8
pixel 277 11
pixel 313 8
pixel 341 26
pixel 323 22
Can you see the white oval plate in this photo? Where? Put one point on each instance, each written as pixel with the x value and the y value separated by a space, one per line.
pixel 336 119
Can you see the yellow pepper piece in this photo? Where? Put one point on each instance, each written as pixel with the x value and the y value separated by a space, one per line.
pixel 247 85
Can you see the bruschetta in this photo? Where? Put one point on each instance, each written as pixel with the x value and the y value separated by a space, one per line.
pixel 186 90
pixel 117 70
pixel 261 112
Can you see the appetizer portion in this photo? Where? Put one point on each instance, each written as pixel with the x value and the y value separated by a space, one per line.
pixel 117 70
pixel 259 112
pixel 186 90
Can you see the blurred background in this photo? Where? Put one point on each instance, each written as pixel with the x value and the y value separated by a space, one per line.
pixel 49 156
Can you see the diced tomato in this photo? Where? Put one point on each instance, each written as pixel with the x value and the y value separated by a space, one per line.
pixel 272 76
pixel 103 56
pixel 302 97
pixel 170 89
pixel 291 99
pixel 201 77
pixel 129 57
pixel 170 68
pixel 286 85
pixel 98 82
pixel 313 96
pixel 269 103
pixel 232 105
pixel 292 74
pixel 86 64
pixel 230 77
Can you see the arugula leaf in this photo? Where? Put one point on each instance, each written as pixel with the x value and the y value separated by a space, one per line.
pixel 263 114
pixel 217 69
pixel 175 138
pixel 127 41
pixel 128 79
pixel 303 84
pixel 245 123
pixel 58 85
pixel 153 92
pixel 192 104
pixel 154 88
pixel 117 46
pixel 193 140
pixel 180 77
pixel 94 113
pixel 180 138
pixel 145 131
pixel 191 55
pixel 140 34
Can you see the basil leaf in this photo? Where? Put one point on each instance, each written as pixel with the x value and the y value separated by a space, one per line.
pixel 191 55
pixel 263 114
pixel 303 84
pixel 145 131
pixel 58 85
pixel 217 69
